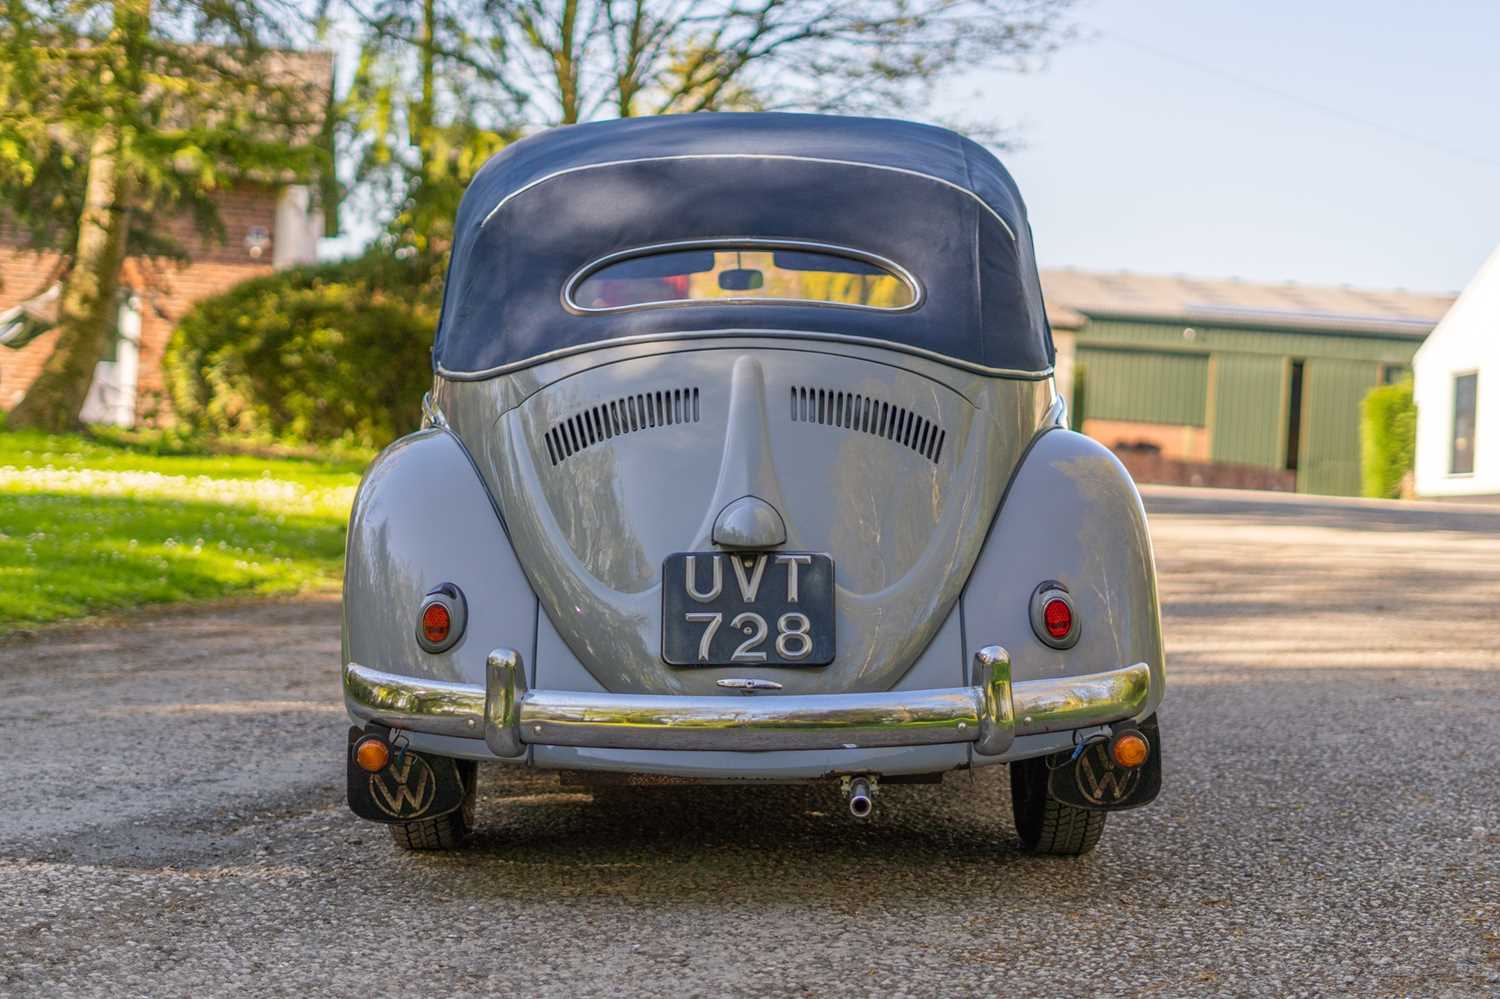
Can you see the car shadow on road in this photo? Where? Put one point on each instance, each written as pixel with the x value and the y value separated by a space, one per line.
pixel 762 843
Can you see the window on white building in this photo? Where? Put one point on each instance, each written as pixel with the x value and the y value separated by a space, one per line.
pixel 1465 398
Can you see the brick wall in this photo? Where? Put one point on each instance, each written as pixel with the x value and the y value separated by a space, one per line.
pixel 167 290
pixel 22 275
pixel 1153 467
pixel 1173 455
pixel 1171 440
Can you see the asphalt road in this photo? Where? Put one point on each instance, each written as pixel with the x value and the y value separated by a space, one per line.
pixel 171 819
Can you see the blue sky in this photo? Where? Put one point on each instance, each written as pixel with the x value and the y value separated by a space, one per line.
pixel 1321 141
pixel 1178 137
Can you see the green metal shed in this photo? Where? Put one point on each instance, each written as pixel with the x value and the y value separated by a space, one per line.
pixel 1224 376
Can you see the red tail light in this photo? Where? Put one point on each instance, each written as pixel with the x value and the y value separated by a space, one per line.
pixel 441 618
pixel 1058 618
pixel 436 623
pixel 1054 618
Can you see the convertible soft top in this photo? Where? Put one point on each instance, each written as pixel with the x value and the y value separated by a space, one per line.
pixel 938 205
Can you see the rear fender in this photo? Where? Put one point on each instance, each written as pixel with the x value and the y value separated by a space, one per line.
pixel 422 517
pixel 1071 514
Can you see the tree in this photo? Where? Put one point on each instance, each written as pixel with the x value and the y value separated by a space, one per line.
pixel 120 116
pixel 444 83
pixel 429 103
pixel 583 59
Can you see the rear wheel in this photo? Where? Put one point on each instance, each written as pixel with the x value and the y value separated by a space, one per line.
pixel 1045 824
pixel 445 832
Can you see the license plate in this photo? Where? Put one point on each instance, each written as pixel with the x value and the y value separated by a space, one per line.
pixel 747 609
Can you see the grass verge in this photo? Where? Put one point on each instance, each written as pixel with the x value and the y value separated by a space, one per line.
pixel 90 526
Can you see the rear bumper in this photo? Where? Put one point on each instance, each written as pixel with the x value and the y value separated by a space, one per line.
pixel 508 716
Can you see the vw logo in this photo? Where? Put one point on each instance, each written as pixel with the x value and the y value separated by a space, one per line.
pixel 405 788
pixel 1099 781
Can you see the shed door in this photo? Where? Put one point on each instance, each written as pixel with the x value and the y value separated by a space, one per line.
pixel 1331 395
pixel 1247 403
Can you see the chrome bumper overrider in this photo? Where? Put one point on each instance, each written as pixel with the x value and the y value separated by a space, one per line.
pixel 508 716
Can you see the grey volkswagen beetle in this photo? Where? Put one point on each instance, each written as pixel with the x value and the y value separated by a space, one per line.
pixel 744 462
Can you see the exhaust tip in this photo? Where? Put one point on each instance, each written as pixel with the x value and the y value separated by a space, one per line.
pixel 861 798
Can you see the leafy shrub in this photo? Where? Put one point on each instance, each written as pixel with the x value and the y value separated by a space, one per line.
pixel 324 353
pixel 1388 437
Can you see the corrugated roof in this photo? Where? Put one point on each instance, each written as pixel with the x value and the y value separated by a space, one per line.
pixel 1234 302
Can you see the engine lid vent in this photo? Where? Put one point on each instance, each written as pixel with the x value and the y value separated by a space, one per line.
pixel 643 411
pixel 852 411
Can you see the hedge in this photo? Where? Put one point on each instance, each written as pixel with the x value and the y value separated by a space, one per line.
pixel 327 353
pixel 1388 438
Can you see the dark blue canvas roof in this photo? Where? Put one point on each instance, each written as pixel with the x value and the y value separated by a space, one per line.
pixel 939 205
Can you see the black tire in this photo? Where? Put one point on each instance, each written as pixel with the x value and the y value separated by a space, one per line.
pixel 1045 824
pixel 445 832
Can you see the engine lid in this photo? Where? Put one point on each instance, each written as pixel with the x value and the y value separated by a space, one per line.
pixel 604 474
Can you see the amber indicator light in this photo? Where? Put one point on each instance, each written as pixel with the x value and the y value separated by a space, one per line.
pixel 372 753
pixel 1130 749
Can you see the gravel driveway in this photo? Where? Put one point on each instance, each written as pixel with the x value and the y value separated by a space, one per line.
pixel 171 816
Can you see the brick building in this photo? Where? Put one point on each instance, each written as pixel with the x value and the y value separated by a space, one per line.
pixel 266 226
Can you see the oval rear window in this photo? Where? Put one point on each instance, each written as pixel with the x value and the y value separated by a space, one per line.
pixel 732 272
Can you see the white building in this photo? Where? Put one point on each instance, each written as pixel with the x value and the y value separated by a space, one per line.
pixel 1457 389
